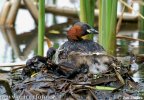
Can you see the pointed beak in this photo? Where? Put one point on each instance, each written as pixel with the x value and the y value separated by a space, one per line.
pixel 92 30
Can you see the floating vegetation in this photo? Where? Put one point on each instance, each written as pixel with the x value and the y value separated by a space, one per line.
pixel 42 78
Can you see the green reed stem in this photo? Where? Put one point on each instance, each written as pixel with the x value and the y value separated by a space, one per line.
pixel 107 25
pixel 41 27
pixel 141 28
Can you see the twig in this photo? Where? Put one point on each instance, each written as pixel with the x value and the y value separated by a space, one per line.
pixel 94 96
pixel 129 38
pixel 139 14
pixel 49 42
pixel 16 68
pixel 120 78
pixel 11 64
pixel 7 88
pixel 89 96
pixel 120 21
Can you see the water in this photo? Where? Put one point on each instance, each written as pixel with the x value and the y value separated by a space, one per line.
pixel 19 44
pixel 25 23
pixel 16 52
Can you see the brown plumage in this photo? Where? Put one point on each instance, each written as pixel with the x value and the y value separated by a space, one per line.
pixel 78 30
pixel 75 33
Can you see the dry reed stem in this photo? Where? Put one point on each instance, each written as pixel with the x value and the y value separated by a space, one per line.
pixel 120 21
pixel 129 38
pixel 139 14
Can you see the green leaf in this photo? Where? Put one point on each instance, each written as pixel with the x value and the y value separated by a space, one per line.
pixel 105 88
pixel 107 25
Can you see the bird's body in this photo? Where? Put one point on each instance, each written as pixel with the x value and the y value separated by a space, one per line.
pixel 83 47
pixel 85 52
pixel 78 52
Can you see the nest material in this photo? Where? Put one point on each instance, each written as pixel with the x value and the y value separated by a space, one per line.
pixel 54 83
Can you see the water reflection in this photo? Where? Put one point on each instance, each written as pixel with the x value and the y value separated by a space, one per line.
pixel 20 44
pixel 24 45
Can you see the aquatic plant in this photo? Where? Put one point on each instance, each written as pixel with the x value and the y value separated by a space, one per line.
pixel 141 28
pixel 107 25
pixel 41 27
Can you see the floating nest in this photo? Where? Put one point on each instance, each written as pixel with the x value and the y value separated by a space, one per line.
pixel 42 79
pixel 47 80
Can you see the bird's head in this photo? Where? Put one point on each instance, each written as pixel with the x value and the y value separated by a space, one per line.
pixel 80 29
pixel 51 51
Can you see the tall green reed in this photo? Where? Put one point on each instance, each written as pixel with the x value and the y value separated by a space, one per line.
pixel 107 25
pixel 41 27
